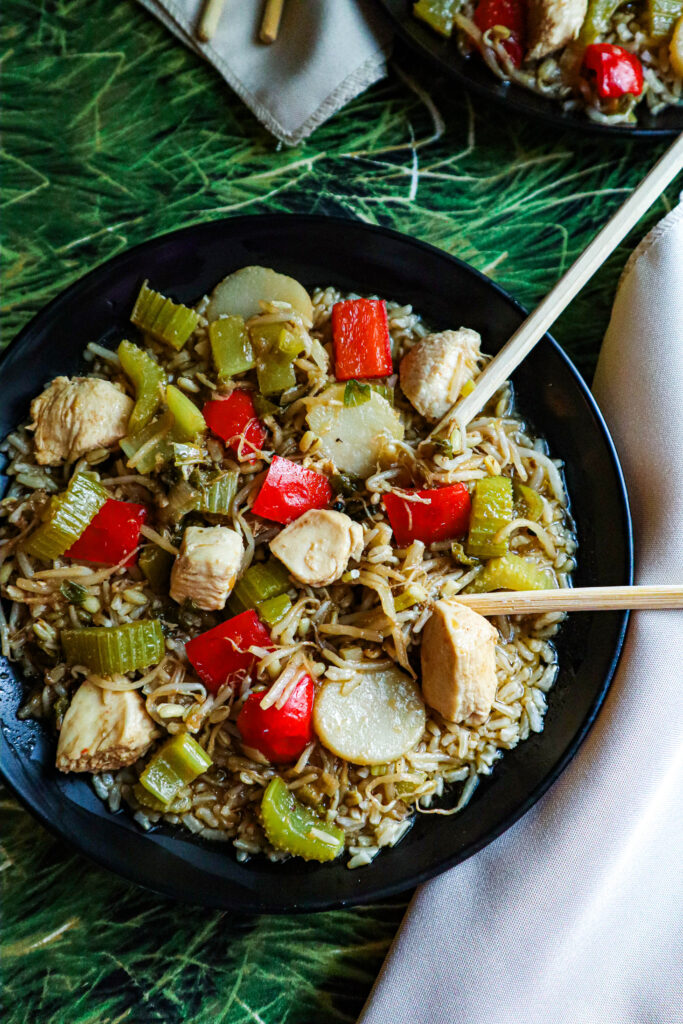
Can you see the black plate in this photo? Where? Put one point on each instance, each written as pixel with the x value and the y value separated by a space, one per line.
pixel 471 72
pixel 353 256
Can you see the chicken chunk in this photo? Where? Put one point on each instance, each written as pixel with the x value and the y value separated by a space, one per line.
pixel 75 416
pixel 459 663
pixel 316 548
pixel 433 371
pixel 103 730
pixel 207 567
pixel 553 24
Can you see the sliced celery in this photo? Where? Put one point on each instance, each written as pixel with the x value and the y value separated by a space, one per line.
pixel 528 502
pixel 598 19
pixel 263 407
pixel 188 422
pixel 296 829
pixel 107 649
pixel 662 15
pixel 438 14
pixel 182 499
pixel 412 595
pixel 147 377
pixel 188 454
pixel 274 609
pixel 155 565
pixel 217 497
pixel 491 510
pixel 289 343
pixel 274 368
pixel 67 517
pixel 155 439
pixel 179 761
pixel 163 319
pixel 230 346
pixel 260 582
pixel 510 572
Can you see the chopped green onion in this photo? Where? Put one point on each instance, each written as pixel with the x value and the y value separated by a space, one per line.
pixel 230 346
pixel 296 829
pixel 188 422
pixel 163 319
pixel 345 484
pixel 511 572
pixel 108 649
pixel 68 515
pixel 158 449
pixel 155 565
pixel 528 502
pixel 73 592
pixel 356 393
pixel 413 594
pixel 491 511
pixel 274 609
pixel 260 582
pixel 147 377
pixel 178 762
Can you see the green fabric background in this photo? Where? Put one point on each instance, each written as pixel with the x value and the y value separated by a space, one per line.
pixel 113 132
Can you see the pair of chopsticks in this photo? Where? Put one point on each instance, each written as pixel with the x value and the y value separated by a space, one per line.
pixel 270 23
pixel 511 355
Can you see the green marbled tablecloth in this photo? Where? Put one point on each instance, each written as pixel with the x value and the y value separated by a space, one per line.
pixel 113 132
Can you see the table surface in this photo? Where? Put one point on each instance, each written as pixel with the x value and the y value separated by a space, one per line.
pixel 113 133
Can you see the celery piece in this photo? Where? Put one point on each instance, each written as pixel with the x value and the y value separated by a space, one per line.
pixel 438 14
pixel 384 391
pixel 147 377
pixel 528 502
pixel 274 368
pixel 491 510
pixel 260 582
pixel 467 388
pixel 511 572
pixel 412 595
pixel 296 829
pixel 346 485
pixel 356 393
pixel 155 565
pixel 145 799
pixel 188 454
pixel 217 497
pixel 73 592
pixel 598 19
pixel 662 15
pixel 459 554
pixel 163 319
pixel 262 407
pixel 178 762
pixel 188 422
pixel 289 343
pixel 274 609
pixel 68 515
pixel 182 499
pixel 150 448
pixel 107 649
pixel 230 346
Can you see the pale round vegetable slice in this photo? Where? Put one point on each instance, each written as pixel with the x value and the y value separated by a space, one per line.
pixel 372 720
pixel 239 294
pixel 353 436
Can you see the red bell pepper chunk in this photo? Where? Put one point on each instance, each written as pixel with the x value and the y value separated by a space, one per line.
pixel 222 652
pixel 616 71
pixel 511 14
pixel 289 490
pixel 234 419
pixel 446 515
pixel 280 734
pixel 362 346
pixel 113 533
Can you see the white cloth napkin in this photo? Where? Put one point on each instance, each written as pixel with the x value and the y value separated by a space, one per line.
pixel 575 915
pixel 327 52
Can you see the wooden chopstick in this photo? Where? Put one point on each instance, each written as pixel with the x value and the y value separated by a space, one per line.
pixel 534 327
pixel 577 599
pixel 208 22
pixel 270 26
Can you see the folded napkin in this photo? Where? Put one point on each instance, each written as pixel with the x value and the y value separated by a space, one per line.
pixel 327 52
pixel 576 913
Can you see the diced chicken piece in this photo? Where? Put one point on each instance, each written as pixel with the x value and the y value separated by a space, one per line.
pixel 316 548
pixel 433 371
pixel 103 730
pixel 459 663
pixel 207 567
pixel 553 24
pixel 75 416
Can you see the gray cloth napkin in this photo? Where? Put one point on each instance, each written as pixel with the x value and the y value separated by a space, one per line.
pixel 327 52
pixel 575 915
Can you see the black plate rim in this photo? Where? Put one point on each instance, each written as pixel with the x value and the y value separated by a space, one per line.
pixel 118 864
pixel 514 96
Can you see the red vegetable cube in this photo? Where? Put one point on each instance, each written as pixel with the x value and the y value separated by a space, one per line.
pixel 280 734
pixel 222 652
pixel 289 490
pixel 442 513
pixel 234 419
pixel 616 71
pixel 362 346
pixel 113 533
